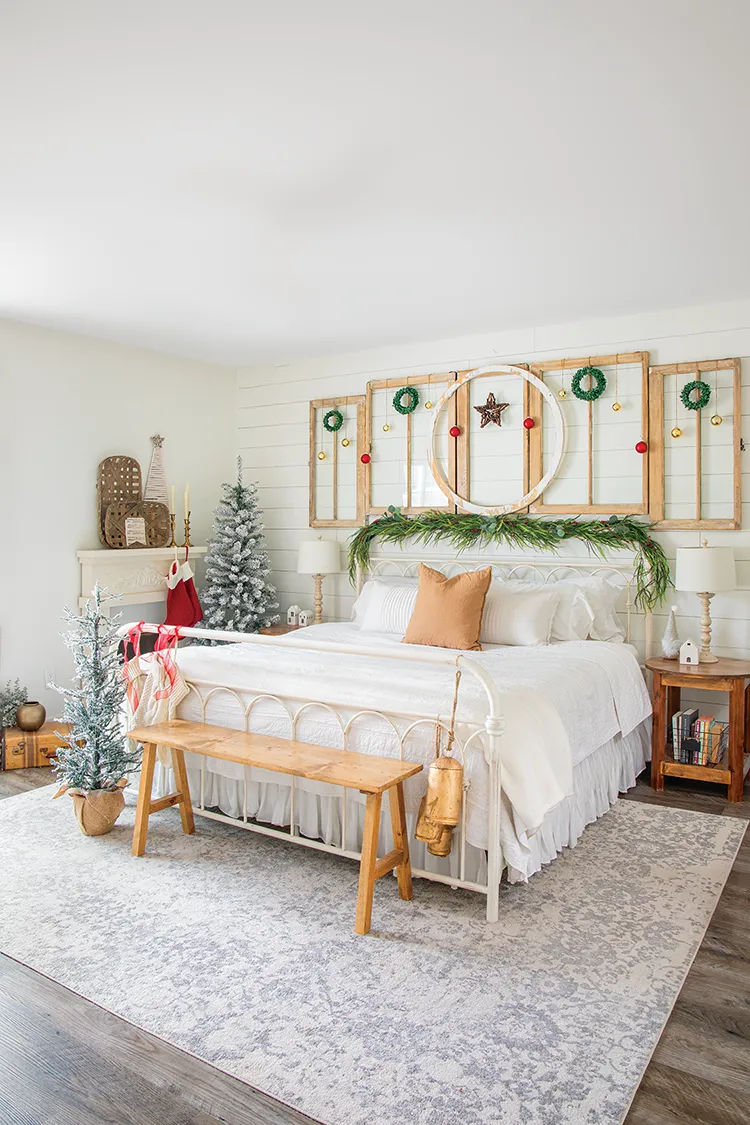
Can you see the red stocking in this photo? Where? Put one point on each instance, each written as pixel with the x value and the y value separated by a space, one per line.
pixel 180 609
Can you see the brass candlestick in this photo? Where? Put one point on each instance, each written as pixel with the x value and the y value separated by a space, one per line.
pixel 173 542
pixel 187 542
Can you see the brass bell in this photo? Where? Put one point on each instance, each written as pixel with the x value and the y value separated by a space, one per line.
pixel 428 405
pixel 345 442
pixel 445 786
pixel 440 810
pixel 676 432
pixel 386 428
pixel 321 456
pixel 562 393
pixel 716 419
pixel 616 406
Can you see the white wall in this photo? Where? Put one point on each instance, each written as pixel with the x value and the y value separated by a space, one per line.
pixel 67 402
pixel 272 426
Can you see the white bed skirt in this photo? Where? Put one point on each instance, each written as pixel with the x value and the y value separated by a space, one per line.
pixel 597 780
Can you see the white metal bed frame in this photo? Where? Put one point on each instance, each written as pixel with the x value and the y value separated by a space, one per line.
pixel 403 723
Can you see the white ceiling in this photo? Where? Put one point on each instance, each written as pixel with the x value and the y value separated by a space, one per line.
pixel 246 182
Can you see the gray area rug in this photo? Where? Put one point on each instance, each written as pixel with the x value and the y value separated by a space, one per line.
pixel 240 949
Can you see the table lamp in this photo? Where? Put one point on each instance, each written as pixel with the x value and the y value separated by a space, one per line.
pixel 700 570
pixel 319 557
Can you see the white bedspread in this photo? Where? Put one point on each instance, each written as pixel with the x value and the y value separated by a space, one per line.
pixel 559 704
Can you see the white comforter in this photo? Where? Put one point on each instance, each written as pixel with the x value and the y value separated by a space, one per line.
pixel 559 704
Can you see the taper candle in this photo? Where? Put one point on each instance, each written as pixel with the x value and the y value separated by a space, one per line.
pixel 171 510
pixel 187 500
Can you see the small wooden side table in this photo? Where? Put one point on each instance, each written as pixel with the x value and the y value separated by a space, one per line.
pixel 725 675
pixel 279 630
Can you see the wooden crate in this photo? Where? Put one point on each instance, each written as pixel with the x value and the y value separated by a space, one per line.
pixel 20 749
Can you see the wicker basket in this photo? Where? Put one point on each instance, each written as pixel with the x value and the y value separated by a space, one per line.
pixel 156 517
pixel 118 481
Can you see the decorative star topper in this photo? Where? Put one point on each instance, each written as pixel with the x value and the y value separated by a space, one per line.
pixel 158 440
pixel 492 411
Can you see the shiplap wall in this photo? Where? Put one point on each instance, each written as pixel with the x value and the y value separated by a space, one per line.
pixel 273 434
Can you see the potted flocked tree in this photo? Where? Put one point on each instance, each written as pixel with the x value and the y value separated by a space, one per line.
pixel 96 758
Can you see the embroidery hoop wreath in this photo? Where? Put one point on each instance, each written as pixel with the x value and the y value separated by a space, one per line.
pixel 695 403
pixel 558 433
pixel 333 421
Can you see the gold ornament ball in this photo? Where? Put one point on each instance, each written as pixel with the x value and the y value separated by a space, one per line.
pixel 616 406
pixel 345 442
pixel 562 393
pixel 386 428
pixel 716 419
pixel 676 432
pixel 321 456
pixel 428 405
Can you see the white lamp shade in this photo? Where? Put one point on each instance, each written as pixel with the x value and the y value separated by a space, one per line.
pixel 705 570
pixel 319 556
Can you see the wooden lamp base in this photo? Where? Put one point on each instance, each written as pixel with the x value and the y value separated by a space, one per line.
pixel 705 655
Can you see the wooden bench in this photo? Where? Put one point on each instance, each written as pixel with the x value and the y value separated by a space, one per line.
pixel 367 773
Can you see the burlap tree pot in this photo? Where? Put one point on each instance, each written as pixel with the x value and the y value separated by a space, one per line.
pixel 97 810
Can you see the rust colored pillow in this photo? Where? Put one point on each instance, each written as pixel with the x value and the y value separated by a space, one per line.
pixel 448 611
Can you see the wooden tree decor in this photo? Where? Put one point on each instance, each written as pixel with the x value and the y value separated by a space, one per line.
pixel 689 438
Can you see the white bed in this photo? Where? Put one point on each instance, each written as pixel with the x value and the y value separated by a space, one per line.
pixel 575 731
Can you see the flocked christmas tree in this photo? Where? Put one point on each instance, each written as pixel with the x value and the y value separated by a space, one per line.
pixel 97 754
pixel 236 594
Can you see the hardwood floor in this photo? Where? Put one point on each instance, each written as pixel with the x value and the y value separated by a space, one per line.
pixel 65 1061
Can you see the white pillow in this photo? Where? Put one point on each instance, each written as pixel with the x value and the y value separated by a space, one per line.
pixel 360 605
pixel 603 596
pixel 518 613
pixel 389 607
pixel 573 616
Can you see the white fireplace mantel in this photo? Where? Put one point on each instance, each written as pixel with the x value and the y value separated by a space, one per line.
pixel 138 574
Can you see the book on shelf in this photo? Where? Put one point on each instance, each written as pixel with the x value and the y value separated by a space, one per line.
pixel 698 740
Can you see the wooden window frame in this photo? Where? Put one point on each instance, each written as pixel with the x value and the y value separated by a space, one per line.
pixel 656 446
pixel 457 459
pixel 357 401
pixel 535 446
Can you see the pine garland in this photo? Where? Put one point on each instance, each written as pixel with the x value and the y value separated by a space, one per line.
pixel 463 532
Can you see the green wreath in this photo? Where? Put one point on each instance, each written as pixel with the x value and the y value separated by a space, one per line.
pixel 412 394
pixel 333 421
pixel 702 399
pixel 595 391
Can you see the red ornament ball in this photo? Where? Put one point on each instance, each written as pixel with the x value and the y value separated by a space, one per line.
pixel 640 447
pixel 529 423
pixel 365 458
pixel 455 431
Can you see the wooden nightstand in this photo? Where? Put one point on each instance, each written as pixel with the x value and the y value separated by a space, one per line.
pixel 20 749
pixel 726 675
pixel 278 630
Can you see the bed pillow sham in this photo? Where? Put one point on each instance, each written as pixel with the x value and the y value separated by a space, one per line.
pixel 519 613
pixel 388 606
pixel 448 611
pixel 603 597
pixel 359 609
pixel 573 616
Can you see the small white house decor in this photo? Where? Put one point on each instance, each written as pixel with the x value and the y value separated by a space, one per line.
pixel 305 617
pixel 689 653
pixel 292 615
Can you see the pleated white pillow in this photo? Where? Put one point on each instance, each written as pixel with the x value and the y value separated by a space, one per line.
pixel 389 607
pixel 363 598
pixel 518 613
